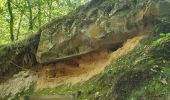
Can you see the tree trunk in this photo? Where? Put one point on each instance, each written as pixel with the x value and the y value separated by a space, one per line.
pixel 39 13
pixel 11 20
pixel 19 26
pixel 49 3
pixel 29 2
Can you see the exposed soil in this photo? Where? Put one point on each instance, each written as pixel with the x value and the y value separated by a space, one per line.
pixel 81 68
pixel 68 72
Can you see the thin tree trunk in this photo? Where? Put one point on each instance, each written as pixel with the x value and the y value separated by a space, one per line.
pixel 50 2
pixel 11 20
pixel 39 13
pixel 30 15
pixel 19 26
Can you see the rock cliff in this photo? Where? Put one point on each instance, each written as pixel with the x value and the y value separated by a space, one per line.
pixel 98 24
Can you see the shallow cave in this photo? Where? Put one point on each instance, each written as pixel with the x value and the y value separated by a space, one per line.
pixel 114 47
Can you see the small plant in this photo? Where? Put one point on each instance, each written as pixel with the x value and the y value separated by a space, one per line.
pixel 163 37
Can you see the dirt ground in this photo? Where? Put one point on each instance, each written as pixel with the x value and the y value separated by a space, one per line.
pixel 81 68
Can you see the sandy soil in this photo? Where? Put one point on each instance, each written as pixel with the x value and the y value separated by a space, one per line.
pixel 82 68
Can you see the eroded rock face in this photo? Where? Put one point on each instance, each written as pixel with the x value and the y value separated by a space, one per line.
pixel 98 24
pixel 20 82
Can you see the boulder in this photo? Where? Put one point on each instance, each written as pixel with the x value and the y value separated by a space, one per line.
pixel 99 24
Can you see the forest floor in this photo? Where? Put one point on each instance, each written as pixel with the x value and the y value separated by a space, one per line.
pixel 138 69
pixel 68 72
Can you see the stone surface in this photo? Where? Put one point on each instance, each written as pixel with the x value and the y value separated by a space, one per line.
pixel 96 25
pixel 18 83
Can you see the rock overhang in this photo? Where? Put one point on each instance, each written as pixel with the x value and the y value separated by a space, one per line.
pixel 90 28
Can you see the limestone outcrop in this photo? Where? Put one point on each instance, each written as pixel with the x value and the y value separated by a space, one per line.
pixel 98 24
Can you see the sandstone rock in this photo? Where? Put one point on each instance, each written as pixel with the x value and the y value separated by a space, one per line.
pixel 96 25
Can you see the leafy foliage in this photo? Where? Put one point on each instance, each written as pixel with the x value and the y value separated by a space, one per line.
pixel 163 38
pixel 34 12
